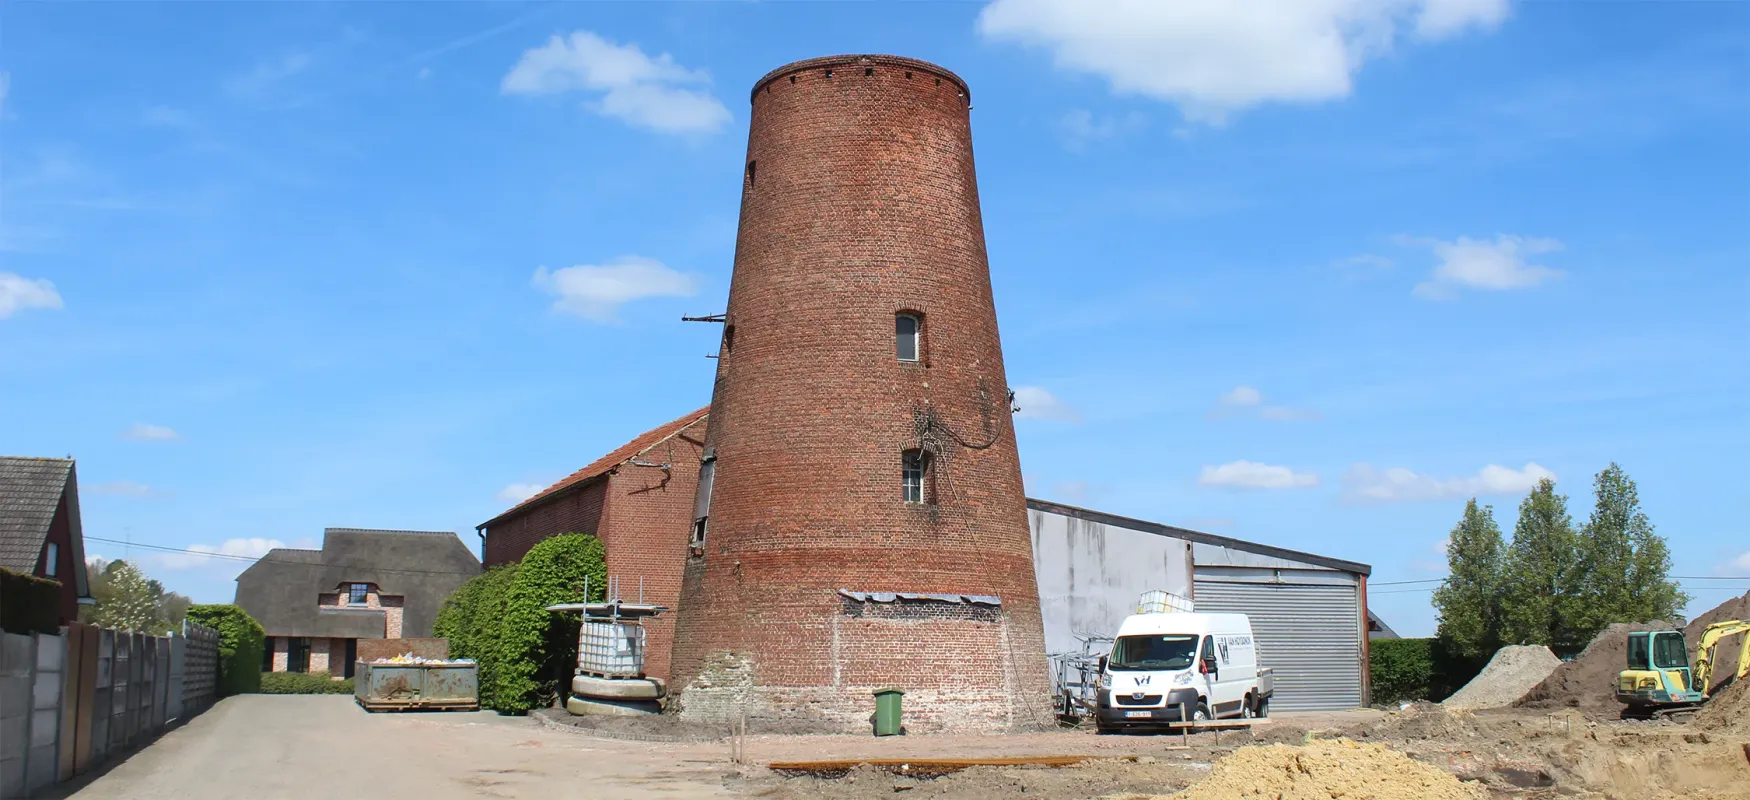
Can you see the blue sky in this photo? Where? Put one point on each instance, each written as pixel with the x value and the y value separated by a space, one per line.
pixel 1310 276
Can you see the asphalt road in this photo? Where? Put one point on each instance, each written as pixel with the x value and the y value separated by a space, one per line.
pixel 268 746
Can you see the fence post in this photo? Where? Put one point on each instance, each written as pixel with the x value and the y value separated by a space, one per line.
pixel 87 712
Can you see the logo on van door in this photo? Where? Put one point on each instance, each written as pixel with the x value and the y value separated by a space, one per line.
pixel 1222 645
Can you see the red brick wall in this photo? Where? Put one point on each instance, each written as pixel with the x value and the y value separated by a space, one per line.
pixel 61 535
pixel 864 203
pixel 576 511
pixel 649 515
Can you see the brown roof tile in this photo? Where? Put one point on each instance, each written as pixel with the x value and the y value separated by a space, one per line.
pixel 603 465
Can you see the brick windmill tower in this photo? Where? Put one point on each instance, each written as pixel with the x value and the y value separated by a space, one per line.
pixel 861 522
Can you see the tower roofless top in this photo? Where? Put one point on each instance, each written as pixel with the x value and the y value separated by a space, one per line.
pixel 855 60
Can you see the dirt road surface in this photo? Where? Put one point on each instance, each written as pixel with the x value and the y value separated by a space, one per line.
pixel 272 746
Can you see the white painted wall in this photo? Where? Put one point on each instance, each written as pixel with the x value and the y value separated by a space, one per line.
pixel 1091 574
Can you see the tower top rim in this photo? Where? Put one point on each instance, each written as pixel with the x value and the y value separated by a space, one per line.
pixel 861 60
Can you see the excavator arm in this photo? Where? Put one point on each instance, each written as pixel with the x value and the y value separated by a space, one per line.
pixel 1710 640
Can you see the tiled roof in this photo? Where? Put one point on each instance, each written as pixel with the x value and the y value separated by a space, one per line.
pixel 603 465
pixel 30 490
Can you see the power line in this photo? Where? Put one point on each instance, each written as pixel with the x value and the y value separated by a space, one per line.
pixel 253 559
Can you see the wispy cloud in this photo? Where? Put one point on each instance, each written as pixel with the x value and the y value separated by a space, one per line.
pixel 1739 566
pixel 201 555
pixel 18 293
pixel 1213 57
pixel 1082 127
pixel 518 492
pixel 266 82
pixel 1363 484
pixel 1247 401
pixel 1499 265
pixel 124 489
pixel 1037 403
pixel 652 93
pixel 596 292
pixel 1364 266
pixel 143 432
pixel 1253 475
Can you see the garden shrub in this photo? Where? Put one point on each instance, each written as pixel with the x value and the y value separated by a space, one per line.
pixel 241 641
pixel 470 618
pixel 29 604
pixel 1406 670
pixel 303 683
pixel 536 646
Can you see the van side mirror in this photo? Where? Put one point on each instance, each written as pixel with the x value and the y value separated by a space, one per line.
pixel 1206 666
pixel 1102 667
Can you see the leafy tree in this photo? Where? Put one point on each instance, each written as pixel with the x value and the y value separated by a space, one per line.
pixel 534 644
pixel 241 644
pixel 1469 601
pixel 470 618
pixel 1625 566
pixel 1542 574
pixel 124 600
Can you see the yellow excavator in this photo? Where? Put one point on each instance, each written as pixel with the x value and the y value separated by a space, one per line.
pixel 1659 682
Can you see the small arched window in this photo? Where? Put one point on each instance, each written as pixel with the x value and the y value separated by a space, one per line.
pixel 908 335
pixel 914 476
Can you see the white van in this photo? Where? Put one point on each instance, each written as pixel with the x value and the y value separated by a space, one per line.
pixel 1182 666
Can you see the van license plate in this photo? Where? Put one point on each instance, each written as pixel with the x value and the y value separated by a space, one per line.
pixel 1136 713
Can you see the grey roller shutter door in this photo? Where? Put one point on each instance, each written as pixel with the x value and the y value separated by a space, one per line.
pixel 1309 634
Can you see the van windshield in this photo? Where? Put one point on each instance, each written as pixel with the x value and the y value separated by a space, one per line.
pixel 1171 651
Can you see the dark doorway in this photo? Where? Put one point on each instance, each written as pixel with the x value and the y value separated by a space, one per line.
pixel 352 655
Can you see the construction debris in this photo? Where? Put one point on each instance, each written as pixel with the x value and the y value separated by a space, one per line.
pixel 410 658
pixel 1327 768
pixel 1513 671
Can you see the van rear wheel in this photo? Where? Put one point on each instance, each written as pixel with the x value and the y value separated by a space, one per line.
pixel 1263 709
pixel 1247 708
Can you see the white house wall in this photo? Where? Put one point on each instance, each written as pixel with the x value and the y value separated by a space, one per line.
pixel 1091 574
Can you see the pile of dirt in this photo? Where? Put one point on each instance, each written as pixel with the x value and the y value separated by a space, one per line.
pixel 1728 711
pixel 1726 656
pixel 1327 768
pixel 1421 721
pixel 1588 683
pixel 1512 672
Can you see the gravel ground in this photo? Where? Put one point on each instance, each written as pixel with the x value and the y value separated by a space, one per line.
pixel 1512 672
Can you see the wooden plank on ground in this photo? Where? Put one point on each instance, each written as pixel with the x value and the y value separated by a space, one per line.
pixel 937 765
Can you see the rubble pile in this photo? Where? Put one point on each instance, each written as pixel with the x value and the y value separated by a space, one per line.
pixel 410 658
pixel 1327 768
pixel 1513 671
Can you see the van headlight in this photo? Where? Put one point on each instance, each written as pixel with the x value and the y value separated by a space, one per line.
pixel 1182 679
pixel 1105 681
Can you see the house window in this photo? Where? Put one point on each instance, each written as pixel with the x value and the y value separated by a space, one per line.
pixel 51 559
pixel 298 654
pixel 360 592
pixel 702 498
pixel 908 331
pixel 914 474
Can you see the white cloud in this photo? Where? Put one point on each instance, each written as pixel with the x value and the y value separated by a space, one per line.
pixel 646 92
pixel 142 432
pixel 518 492
pixel 123 489
pixel 248 547
pixel 1365 484
pixel 1215 57
pixel 595 292
pixel 1736 567
pixel 18 293
pixel 1247 400
pixel 1037 403
pixel 1253 475
pixel 1478 264
pixel 1081 127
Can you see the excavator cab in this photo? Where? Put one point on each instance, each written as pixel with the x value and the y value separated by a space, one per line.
pixel 1658 674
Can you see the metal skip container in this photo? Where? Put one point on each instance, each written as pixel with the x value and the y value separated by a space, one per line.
pixel 436 685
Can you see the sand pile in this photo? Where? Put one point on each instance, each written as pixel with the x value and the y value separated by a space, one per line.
pixel 1420 721
pixel 1728 711
pixel 1327 768
pixel 1727 653
pixel 1588 682
pixel 1509 675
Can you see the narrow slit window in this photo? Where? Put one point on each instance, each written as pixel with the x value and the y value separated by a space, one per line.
pixel 913 472
pixel 908 336
pixel 752 168
pixel 51 560
pixel 702 498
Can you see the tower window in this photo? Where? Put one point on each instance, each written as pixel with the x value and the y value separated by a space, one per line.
pixel 908 330
pixel 702 498
pixel 914 476
pixel 752 166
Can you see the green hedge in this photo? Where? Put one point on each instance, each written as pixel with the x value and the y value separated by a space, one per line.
pixel 29 604
pixel 303 683
pixel 470 619
pixel 1404 670
pixel 536 647
pixel 241 641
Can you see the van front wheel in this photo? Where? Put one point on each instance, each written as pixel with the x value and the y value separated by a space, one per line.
pixel 1201 714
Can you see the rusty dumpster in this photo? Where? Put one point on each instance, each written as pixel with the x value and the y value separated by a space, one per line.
pixel 440 685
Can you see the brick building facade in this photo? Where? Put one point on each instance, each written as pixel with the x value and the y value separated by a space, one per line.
pixel 861 430
pixel 40 529
pixel 638 500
